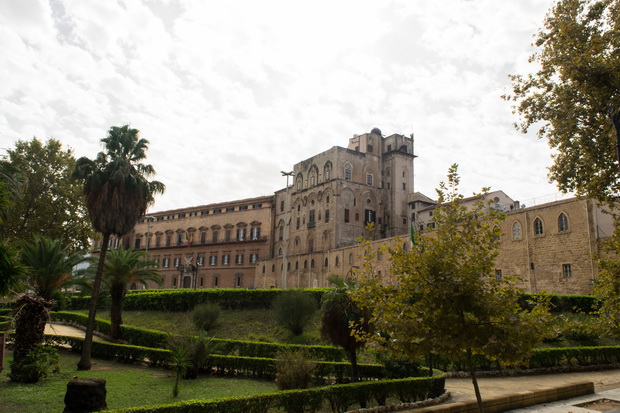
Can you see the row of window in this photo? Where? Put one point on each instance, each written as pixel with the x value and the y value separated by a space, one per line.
pixel 313 175
pixel 200 260
pixel 185 238
pixel 539 228
pixel 182 215
pixel 215 281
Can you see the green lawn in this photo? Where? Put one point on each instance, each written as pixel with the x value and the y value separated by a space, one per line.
pixel 256 325
pixel 127 386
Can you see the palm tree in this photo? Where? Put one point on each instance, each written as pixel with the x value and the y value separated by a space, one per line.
pixel 117 192
pixel 51 264
pixel 12 272
pixel 340 313
pixel 125 267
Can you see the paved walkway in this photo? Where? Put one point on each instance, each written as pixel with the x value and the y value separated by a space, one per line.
pixel 63 330
pixel 606 385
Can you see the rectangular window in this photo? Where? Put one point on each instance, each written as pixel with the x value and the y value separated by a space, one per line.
pixel 177 262
pixel 230 209
pixel 182 215
pixel 327 215
pixel 255 206
pixel 213 260
pixel 225 259
pixel 369 148
pixel 217 211
pixel 297 223
pixel 255 233
pixel 567 271
pixel 404 186
pixel 369 216
pixel 357 216
pixel 311 219
pixel 243 208
pixel 160 218
pixel 281 206
pixel 204 212
pixel 137 244
pixel 346 215
pixel 203 237
pixel 157 241
pixel 241 234
pixel 369 179
pixel 200 261
pixel 168 240
pixel 216 281
pixel 498 275
pixel 253 258
pixel 166 262
pixel 215 235
pixel 179 239
pixel 193 214
pixel 239 259
pixel 169 217
pixel 227 235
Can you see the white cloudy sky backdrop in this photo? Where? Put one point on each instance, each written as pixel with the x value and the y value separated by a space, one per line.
pixel 229 93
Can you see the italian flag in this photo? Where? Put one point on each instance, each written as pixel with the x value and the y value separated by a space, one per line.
pixel 188 238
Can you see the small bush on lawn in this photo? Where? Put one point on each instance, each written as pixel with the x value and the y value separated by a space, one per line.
pixel 205 316
pixel 196 350
pixel 294 370
pixel 294 309
pixel 35 365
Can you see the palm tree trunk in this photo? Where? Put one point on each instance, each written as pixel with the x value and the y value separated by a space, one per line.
pixel 117 291
pixel 85 362
pixel 354 368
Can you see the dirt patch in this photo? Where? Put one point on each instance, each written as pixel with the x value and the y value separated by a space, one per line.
pixel 601 405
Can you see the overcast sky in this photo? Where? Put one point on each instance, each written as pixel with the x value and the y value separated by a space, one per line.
pixel 229 93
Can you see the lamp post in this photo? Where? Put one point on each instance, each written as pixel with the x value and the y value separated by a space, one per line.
pixel 286 206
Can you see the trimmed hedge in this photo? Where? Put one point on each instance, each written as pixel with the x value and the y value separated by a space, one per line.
pixel 255 367
pixel 565 303
pixel 153 338
pixel 340 398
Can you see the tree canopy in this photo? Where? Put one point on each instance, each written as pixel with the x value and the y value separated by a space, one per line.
pixel 45 200
pixel 573 99
pixel 442 296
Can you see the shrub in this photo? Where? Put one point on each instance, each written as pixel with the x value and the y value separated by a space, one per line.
pixel 205 316
pixel 35 365
pixel 294 309
pixel 196 350
pixel 294 370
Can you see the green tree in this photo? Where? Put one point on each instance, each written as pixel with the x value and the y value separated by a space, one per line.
pixel 123 268
pixel 294 310
pixel 441 296
pixel 574 97
pixel 46 201
pixel 12 272
pixel 117 192
pixel 339 316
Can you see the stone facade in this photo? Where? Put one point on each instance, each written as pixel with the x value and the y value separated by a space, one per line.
pixel 311 229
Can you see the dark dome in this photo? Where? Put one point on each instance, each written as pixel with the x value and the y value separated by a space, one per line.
pixel 376 131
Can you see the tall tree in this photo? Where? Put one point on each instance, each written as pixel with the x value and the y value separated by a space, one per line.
pixel 441 296
pixel 573 99
pixel 46 200
pixel 123 268
pixel 339 316
pixel 117 192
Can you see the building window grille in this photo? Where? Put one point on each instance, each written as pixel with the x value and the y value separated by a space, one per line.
pixel 562 223
pixel 253 258
pixel 255 233
pixel 538 226
pixel 369 179
pixel 177 262
pixel 225 259
pixel 346 215
pixel 567 271
pixel 516 230
pixel 213 260
pixel 166 262
pixel 347 174
pixel 239 259
pixel 241 234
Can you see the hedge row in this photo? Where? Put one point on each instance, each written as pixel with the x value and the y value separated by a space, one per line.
pixel 542 358
pixel 153 338
pixel 565 303
pixel 254 367
pixel 338 397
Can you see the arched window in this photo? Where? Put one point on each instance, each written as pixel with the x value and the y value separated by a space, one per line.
pixel 351 259
pixel 305 264
pixel 327 171
pixel 562 222
pixel 337 261
pixel 348 171
pixel 496 233
pixel 299 180
pixel 326 263
pixel 263 269
pixel 516 230
pixel 296 265
pixel 273 268
pixel 312 263
pixel 280 252
pixel 538 226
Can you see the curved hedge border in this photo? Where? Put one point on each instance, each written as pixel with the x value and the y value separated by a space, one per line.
pixel 339 397
pixel 254 367
pixel 153 338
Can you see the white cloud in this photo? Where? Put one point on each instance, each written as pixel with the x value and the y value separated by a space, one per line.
pixel 230 93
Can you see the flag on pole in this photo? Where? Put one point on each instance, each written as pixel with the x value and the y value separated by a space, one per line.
pixel 188 238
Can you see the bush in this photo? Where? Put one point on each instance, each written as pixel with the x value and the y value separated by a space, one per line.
pixel 294 370
pixel 196 349
pixel 294 309
pixel 35 365
pixel 205 316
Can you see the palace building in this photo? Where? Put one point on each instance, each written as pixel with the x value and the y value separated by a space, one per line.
pixel 310 230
